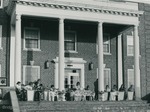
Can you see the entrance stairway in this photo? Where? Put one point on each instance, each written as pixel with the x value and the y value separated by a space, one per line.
pixel 84 106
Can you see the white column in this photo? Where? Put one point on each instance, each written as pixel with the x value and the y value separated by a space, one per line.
pixel 18 49
pixel 120 77
pixel 69 80
pixel 136 64
pixel 56 76
pixel 100 58
pixel 12 56
pixel 61 54
pixel 82 82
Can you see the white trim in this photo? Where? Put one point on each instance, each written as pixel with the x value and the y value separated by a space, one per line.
pixel 18 48
pixel 75 33
pixel 24 44
pixel 1 6
pixel 105 53
pixel 29 66
pixel 138 1
pixel 12 56
pixel 76 15
pixel 71 63
pixel 68 75
pixel 1 32
pixel 31 49
pixel 104 75
pixel 108 42
pixel 71 60
pixel 120 73
pixel 109 70
pixel 130 42
pixel 128 71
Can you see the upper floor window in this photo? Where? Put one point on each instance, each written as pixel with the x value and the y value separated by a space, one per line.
pixel 106 44
pixel 130 47
pixel 70 41
pixel 1 3
pixel 32 39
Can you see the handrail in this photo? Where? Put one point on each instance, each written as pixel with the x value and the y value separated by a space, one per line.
pixel 14 101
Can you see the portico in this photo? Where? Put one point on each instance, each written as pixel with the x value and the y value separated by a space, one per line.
pixel 61 11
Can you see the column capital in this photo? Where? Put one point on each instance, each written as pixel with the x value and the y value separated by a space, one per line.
pixel 61 20
pixel 136 25
pixel 100 22
pixel 18 16
pixel 120 35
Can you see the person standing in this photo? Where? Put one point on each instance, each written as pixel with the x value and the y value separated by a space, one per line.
pixel 96 89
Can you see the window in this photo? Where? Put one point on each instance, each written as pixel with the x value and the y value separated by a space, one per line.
pixel 0 36
pixel 107 77
pixel 31 39
pixel 130 77
pixel 30 73
pixel 106 44
pixel 130 45
pixel 70 41
pixel 1 3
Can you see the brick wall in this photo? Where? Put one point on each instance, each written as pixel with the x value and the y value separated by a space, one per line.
pixel 145 38
pixel 86 42
pixel 128 61
pixel 143 52
pixel 86 48
pixel 4 52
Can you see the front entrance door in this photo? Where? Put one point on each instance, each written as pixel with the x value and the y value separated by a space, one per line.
pixel 72 76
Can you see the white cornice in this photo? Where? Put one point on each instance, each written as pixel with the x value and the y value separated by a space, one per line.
pixel 80 7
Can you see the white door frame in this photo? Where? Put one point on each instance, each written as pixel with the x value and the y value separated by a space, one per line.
pixel 71 63
pixel 71 74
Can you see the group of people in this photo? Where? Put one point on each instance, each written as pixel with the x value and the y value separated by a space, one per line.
pixel 76 93
pixel 114 92
pixel 37 86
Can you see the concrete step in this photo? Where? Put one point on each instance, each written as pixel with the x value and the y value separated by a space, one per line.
pixel 84 106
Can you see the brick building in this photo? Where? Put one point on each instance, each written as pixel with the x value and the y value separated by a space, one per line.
pixel 95 37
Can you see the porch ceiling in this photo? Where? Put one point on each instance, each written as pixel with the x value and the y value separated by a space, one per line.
pixel 107 27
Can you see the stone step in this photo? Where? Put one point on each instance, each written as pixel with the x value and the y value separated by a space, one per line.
pixel 85 102
pixel 84 106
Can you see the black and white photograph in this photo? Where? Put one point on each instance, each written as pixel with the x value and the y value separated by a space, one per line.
pixel 74 55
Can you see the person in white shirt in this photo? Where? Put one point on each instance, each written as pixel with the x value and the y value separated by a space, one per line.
pixel 29 86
